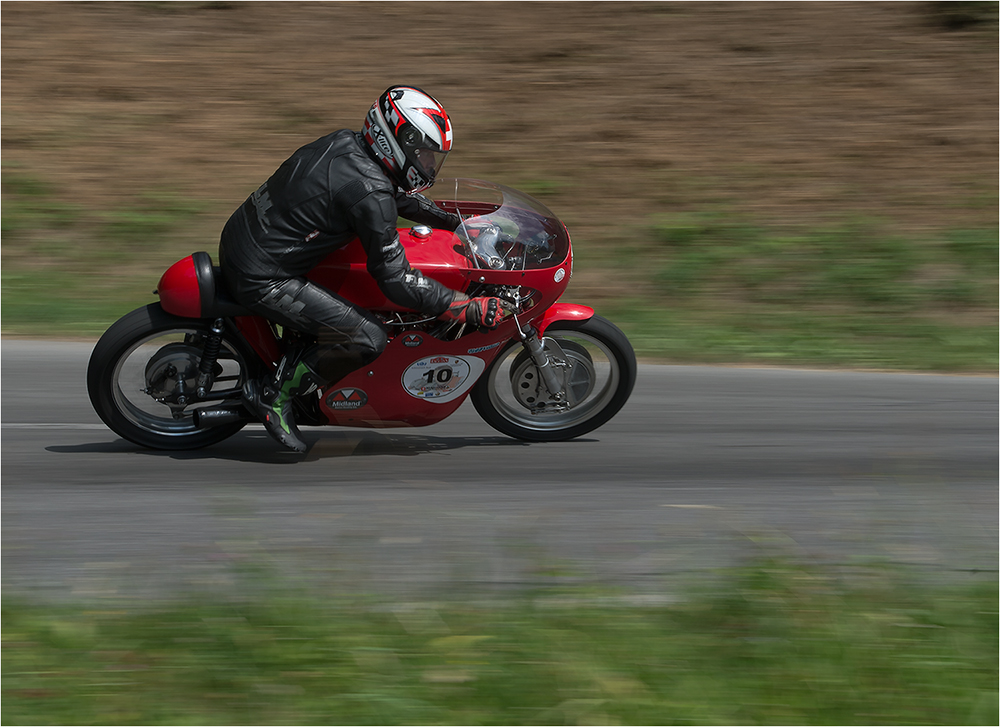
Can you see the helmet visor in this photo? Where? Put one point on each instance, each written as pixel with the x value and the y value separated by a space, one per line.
pixel 430 161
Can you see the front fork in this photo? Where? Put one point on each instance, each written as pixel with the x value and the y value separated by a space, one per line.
pixel 552 364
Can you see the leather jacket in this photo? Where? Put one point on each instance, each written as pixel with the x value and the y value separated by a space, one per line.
pixel 322 197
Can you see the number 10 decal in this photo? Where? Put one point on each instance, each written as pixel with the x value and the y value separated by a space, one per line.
pixel 442 375
pixel 441 379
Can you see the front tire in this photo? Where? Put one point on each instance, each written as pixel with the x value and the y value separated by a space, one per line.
pixel 602 372
pixel 145 363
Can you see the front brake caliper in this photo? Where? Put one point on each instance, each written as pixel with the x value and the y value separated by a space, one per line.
pixel 539 379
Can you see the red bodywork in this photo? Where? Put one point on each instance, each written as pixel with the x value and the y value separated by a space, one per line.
pixel 418 380
pixel 178 289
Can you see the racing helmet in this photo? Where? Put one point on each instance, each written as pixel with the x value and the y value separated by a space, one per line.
pixel 409 132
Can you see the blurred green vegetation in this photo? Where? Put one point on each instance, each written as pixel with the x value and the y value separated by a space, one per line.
pixel 71 270
pixel 703 286
pixel 772 643
pixel 783 336
pixel 854 265
pixel 35 218
pixel 720 289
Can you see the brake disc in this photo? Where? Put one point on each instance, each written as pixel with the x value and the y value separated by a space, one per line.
pixel 530 391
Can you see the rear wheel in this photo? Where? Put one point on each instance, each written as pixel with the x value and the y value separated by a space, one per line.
pixel 142 378
pixel 598 369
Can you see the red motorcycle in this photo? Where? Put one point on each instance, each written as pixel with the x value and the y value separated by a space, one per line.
pixel 170 375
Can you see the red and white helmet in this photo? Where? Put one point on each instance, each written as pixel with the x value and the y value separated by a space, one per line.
pixel 410 134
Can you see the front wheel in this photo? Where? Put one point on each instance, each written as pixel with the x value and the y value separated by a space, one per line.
pixel 596 363
pixel 142 378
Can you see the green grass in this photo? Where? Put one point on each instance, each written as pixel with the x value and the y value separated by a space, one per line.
pixel 62 303
pixel 704 286
pixel 72 271
pixel 771 643
pixel 857 264
pixel 780 336
pixel 719 289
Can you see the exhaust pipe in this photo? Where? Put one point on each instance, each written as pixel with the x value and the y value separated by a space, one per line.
pixel 219 416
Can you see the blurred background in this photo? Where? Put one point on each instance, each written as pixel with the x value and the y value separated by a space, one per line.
pixel 787 183
pixel 802 184
pixel 791 183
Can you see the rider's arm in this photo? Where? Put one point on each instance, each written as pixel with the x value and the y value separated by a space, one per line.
pixel 418 208
pixel 374 219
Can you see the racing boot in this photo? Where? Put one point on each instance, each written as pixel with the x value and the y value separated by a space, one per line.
pixel 273 405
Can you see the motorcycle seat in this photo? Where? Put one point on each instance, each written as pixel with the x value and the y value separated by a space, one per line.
pixel 216 302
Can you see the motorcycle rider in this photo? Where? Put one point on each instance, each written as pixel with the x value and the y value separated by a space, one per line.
pixel 343 185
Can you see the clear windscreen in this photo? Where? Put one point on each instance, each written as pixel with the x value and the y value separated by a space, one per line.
pixel 502 228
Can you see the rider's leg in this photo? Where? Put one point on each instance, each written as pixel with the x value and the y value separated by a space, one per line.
pixel 348 338
pixel 272 402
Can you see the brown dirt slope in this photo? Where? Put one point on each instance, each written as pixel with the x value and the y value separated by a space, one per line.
pixel 794 112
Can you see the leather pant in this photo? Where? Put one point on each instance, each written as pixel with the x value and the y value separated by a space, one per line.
pixel 349 337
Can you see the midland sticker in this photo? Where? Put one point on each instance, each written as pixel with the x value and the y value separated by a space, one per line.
pixel 346 399
pixel 440 379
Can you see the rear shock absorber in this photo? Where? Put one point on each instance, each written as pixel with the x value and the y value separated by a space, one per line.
pixel 208 358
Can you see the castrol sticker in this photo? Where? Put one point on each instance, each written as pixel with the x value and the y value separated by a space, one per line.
pixel 440 379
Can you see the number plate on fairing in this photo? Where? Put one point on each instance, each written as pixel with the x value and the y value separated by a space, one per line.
pixel 440 379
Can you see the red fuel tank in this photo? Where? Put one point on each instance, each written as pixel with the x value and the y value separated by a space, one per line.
pixel 438 255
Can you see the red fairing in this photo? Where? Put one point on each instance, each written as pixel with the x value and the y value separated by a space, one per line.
pixel 390 391
pixel 178 290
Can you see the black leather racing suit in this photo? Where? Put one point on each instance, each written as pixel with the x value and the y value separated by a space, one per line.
pixel 324 195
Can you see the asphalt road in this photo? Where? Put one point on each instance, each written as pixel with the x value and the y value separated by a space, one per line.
pixel 704 468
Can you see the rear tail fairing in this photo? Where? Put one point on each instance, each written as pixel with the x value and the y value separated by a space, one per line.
pixel 180 289
pixel 192 288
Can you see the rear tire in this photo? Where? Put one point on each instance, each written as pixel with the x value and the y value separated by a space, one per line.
pixel 510 399
pixel 150 356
